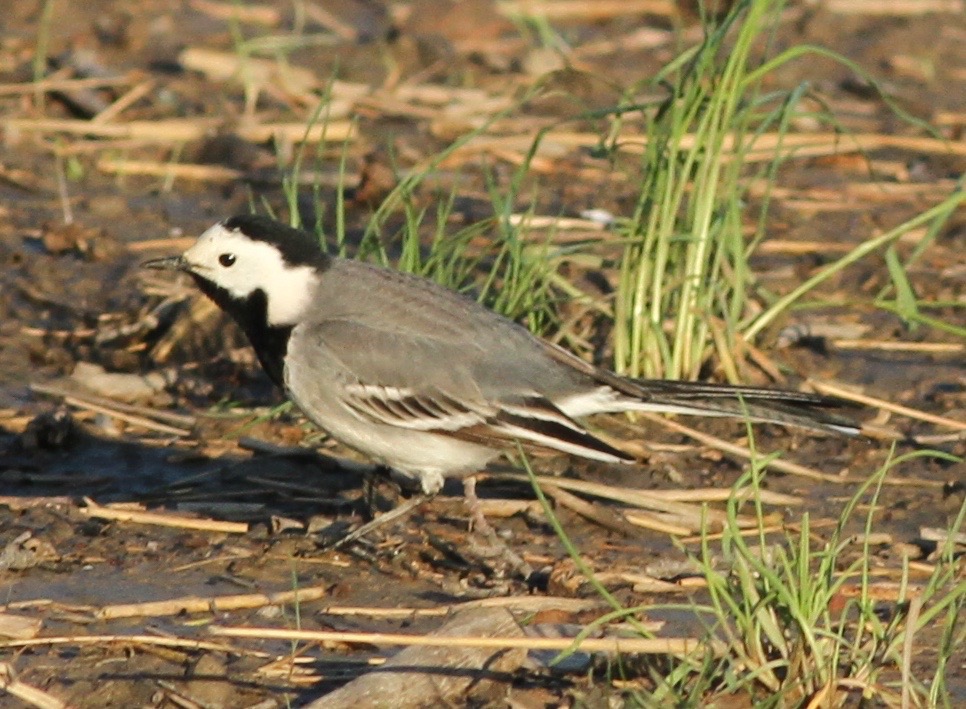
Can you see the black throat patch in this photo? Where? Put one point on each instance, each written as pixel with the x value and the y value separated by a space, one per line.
pixel 270 342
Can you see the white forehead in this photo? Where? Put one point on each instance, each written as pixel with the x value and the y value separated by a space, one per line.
pixel 258 265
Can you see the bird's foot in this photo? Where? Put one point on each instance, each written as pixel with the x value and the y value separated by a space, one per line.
pixel 495 546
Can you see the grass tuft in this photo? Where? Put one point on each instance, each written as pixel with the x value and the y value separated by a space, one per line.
pixel 686 262
pixel 812 622
pixel 687 293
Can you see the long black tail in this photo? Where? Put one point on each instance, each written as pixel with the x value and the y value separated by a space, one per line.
pixel 811 411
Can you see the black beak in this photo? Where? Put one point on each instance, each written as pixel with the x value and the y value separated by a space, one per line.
pixel 168 263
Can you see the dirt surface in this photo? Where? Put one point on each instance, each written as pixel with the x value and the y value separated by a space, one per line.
pixel 79 209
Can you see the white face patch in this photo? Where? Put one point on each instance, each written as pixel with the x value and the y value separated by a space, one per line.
pixel 242 265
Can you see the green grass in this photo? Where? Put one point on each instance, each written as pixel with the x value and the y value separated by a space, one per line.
pixel 39 64
pixel 685 265
pixel 796 618
pixel 792 632
pixel 688 294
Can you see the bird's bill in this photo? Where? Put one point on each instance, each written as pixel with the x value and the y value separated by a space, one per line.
pixel 168 263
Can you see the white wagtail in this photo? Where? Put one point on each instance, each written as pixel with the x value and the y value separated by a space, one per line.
pixel 422 379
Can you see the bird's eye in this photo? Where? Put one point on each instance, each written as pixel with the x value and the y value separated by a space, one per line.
pixel 227 260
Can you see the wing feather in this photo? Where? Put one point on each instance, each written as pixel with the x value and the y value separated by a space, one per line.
pixel 406 408
pixel 531 419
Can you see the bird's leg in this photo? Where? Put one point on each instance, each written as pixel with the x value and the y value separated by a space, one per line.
pixel 369 494
pixel 373 520
pixel 478 521
pixel 369 480
pixel 495 546
pixel 395 513
pixel 479 525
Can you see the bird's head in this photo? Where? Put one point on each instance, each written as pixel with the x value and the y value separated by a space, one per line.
pixel 251 259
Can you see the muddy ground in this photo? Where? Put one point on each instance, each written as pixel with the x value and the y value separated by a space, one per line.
pixel 80 208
